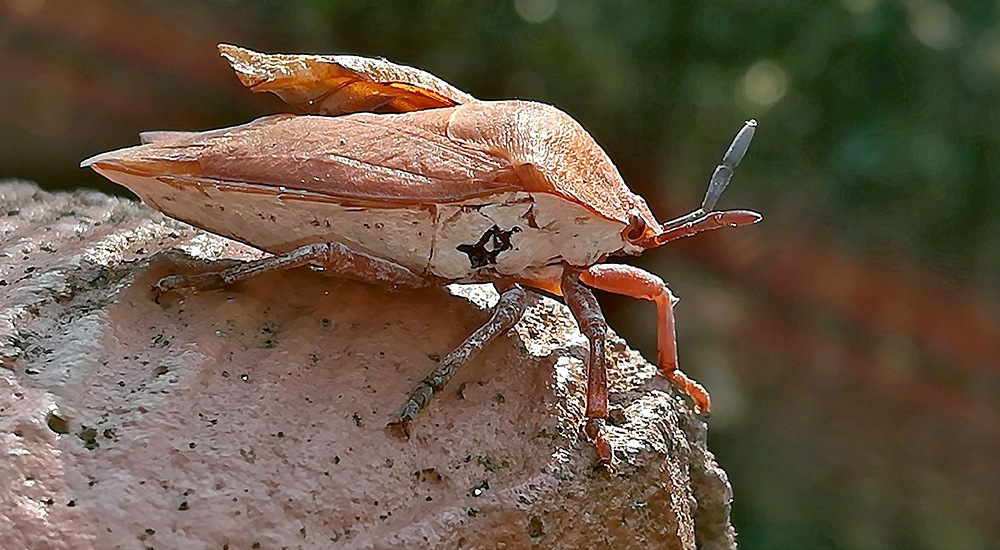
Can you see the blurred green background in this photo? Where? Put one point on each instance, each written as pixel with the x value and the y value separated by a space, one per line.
pixel 851 341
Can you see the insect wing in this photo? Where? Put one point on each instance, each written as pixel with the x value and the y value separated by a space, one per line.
pixel 359 159
pixel 341 84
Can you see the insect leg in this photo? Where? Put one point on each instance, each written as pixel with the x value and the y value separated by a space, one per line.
pixel 587 312
pixel 505 315
pixel 636 283
pixel 335 259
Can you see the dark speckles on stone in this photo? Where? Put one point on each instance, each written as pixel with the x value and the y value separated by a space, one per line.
pixel 89 437
pixel 57 423
pixel 183 506
pixel 490 464
pixel 478 490
pixel 616 417
pixel 159 340
pixel 429 474
pixel 535 529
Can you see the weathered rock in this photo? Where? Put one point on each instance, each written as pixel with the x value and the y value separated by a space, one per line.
pixel 255 416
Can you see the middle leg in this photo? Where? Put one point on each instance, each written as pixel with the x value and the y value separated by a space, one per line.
pixel 587 312
pixel 506 314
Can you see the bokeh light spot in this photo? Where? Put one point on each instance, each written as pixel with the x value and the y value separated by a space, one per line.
pixel 860 7
pixel 934 24
pixel 986 53
pixel 536 11
pixel 765 83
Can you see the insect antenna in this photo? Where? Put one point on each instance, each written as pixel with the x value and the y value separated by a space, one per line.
pixel 704 218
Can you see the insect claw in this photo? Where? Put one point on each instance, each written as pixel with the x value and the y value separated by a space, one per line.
pixel 188 284
pixel 163 287
pixel 594 430
pixel 601 465
pixel 402 426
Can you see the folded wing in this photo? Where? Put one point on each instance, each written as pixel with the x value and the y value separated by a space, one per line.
pixel 341 84
pixel 361 158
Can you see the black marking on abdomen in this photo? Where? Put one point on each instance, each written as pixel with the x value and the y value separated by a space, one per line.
pixel 484 252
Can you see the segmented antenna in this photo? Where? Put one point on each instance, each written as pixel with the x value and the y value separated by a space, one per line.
pixel 721 177
pixel 724 171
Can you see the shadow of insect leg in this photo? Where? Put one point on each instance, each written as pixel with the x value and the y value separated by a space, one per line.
pixel 505 315
pixel 335 258
pixel 637 283
pixel 587 312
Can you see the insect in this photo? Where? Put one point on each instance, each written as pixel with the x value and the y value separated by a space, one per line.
pixel 390 175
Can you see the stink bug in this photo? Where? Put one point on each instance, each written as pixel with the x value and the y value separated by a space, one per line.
pixel 390 175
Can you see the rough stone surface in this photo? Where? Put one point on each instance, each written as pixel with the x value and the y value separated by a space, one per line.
pixel 255 416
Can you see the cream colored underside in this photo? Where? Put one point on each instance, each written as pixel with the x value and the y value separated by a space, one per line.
pixel 425 238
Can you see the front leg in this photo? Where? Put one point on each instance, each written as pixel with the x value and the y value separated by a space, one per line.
pixel 634 282
pixel 587 312
pixel 335 258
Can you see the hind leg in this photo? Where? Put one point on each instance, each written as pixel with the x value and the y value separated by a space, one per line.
pixel 335 258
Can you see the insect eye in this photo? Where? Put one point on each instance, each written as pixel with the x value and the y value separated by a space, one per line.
pixel 636 228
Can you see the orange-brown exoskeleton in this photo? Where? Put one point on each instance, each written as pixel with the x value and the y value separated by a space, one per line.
pixel 390 175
